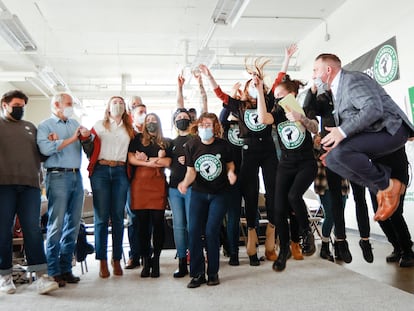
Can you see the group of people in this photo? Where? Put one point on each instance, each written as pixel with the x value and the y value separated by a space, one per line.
pixel 214 162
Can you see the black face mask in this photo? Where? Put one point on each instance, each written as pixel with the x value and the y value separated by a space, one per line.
pixel 277 100
pixel 182 124
pixel 17 113
pixel 152 127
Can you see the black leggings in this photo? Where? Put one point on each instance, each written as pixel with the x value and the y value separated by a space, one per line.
pixel 294 176
pixel 249 172
pixel 150 218
pixel 361 209
pixel 335 191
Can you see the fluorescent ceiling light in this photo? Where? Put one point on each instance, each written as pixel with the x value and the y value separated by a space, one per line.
pixel 228 12
pixel 52 79
pixel 13 31
pixel 204 56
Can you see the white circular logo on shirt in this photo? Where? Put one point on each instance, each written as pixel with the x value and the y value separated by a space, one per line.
pixel 209 166
pixel 233 135
pixel 290 134
pixel 251 120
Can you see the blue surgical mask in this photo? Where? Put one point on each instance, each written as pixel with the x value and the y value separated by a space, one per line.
pixel 205 133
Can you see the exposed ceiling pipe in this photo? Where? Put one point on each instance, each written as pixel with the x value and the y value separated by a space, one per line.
pixel 208 36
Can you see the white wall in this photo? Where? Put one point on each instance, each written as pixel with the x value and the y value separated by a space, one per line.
pixel 356 28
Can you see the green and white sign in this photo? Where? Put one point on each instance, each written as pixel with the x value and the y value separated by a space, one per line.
pixel 381 63
pixel 411 97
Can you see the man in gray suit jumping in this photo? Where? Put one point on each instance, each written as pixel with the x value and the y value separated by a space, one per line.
pixel 369 124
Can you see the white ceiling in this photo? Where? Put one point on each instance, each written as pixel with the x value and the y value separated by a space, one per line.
pixel 132 47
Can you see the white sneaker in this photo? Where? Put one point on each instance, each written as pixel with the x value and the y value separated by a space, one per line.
pixel 6 284
pixel 45 284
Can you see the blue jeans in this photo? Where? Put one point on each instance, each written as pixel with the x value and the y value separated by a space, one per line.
pixel 135 248
pixel 109 189
pixel 206 216
pixel 328 220
pixel 180 207
pixel 25 202
pixel 233 218
pixel 65 195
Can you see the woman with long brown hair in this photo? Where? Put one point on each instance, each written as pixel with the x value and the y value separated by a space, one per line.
pixel 149 190
pixel 297 166
pixel 107 149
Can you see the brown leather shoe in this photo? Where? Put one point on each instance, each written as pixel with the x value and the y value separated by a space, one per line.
pixel 68 277
pixel 132 264
pixel 296 251
pixel 58 279
pixel 117 268
pixel 271 255
pixel 388 200
pixel 103 269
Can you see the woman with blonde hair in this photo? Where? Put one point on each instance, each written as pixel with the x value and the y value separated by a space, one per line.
pixel 107 149
pixel 258 150
pixel 149 190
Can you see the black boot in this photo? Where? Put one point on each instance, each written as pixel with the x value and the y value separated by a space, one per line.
pixel 155 265
pixel 325 252
pixel 280 263
pixel 308 243
pixel 146 262
pixel 343 250
pixel 182 268
pixel 234 259
pixel 254 260
pixel 395 256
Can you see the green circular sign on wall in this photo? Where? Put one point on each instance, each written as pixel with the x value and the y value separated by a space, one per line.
pixel 385 65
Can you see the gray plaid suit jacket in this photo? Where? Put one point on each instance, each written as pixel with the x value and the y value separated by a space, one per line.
pixel 362 105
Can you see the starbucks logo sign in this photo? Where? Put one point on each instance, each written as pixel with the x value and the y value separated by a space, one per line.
pixel 385 65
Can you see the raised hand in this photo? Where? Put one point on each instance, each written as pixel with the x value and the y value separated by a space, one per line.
pixel 180 80
pixel 290 50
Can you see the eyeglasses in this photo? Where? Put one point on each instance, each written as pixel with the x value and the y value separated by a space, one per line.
pixel 205 125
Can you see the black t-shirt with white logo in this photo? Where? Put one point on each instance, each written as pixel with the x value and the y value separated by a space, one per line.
pixel 249 123
pixel 232 135
pixel 292 136
pixel 177 169
pixel 209 162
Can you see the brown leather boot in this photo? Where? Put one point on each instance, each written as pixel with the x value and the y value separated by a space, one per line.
pixel 117 268
pixel 251 247
pixel 103 269
pixel 296 251
pixel 252 241
pixel 270 252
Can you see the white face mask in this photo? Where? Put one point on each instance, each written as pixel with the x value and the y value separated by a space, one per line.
pixel 320 85
pixel 116 110
pixel 140 119
pixel 252 91
pixel 68 112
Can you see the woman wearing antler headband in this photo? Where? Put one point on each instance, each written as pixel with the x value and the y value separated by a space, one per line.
pixel 258 151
